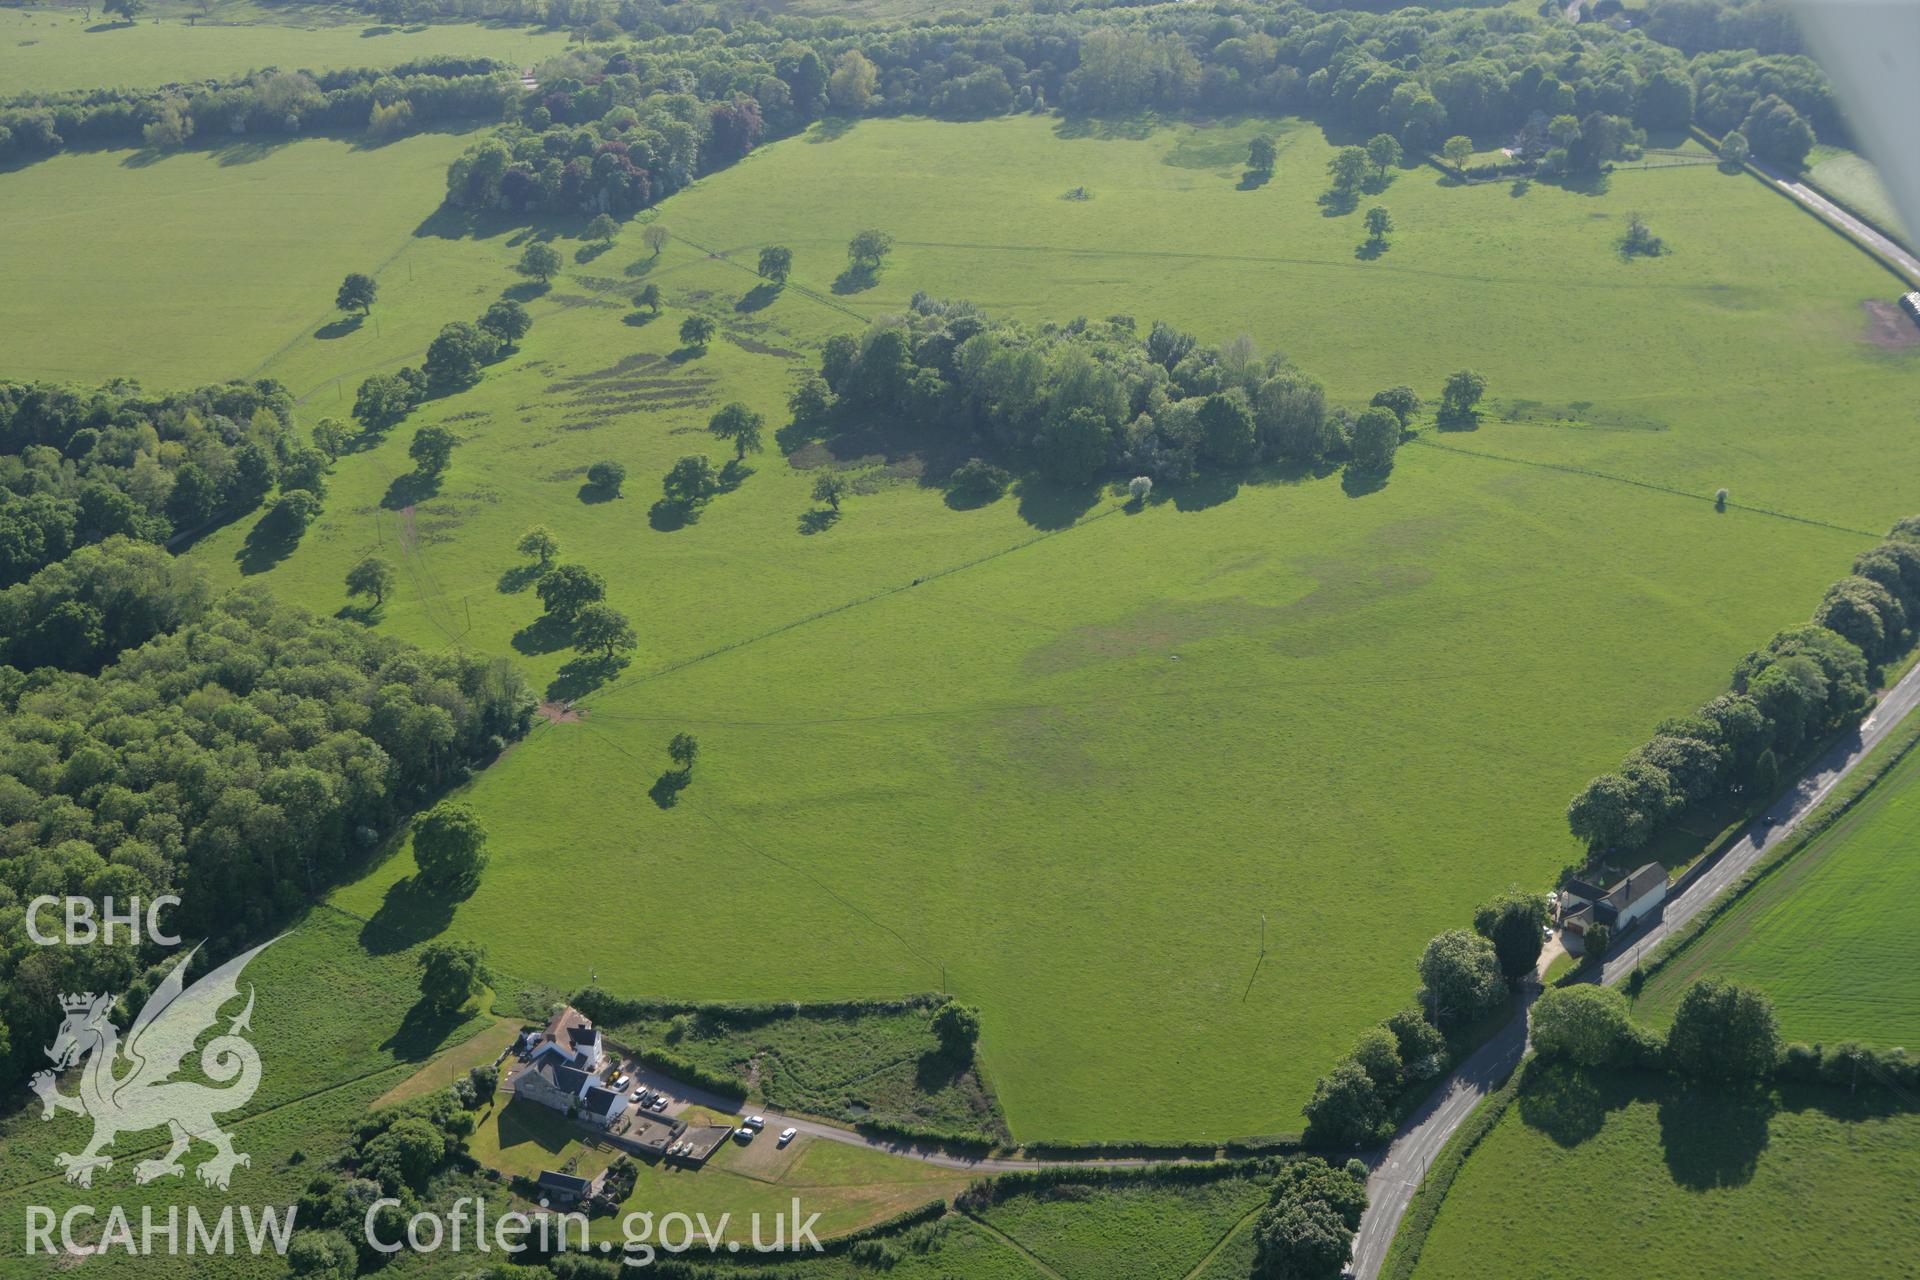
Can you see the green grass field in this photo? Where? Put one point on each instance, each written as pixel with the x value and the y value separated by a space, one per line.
pixel 49 49
pixel 1855 180
pixel 1824 936
pixel 1066 772
pixel 1124 1233
pixel 1687 1185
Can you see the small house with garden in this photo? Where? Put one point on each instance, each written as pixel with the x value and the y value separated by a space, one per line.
pixel 1584 904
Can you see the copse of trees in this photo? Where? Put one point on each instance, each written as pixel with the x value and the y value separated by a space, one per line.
pixel 1306 1230
pixel 1078 400
pixel 79 465
pixel 239 760
pixel 1805 682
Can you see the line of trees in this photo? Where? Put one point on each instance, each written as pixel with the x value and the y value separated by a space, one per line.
pixel 272 103
pixel 82 464
pixel 453 362
pixel 238 760
pixel 1807 681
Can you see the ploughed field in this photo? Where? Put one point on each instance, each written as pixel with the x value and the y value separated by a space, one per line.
pixel 1056 756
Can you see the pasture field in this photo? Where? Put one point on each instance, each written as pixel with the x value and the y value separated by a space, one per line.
pixel 201 265
pixel 1854 179
pixel 1130 1232
pixel 336 1027
pixel 45 49
pixel 1053 756
pixel 1804 1183
pixel 1824 935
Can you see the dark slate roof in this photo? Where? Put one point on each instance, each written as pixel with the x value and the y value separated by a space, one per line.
pixel 564 1182
pixel 1636 886
pixel 602 1101
pixel 1585 889
pixel 557 1073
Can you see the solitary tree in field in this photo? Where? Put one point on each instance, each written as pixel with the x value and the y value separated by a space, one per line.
pixel 775 262
pixel 1261 153
pixel 696 332
pixel 1724 1031
pixel 451 973
pixel 607 476
pixel 689 482
pixel 868 249
pixel 683 749
pixel 567 589
pixel 1462 393
pixel 830 488
pixel 1458 150
pixel 1376 437
pixel 1379 222
pixel 1383 149
pixel 655 237
pixel 958 1028
pixel 601 629
pixel 431 449
pixel 357 293
pixel 449 846
pixel 739 424
pixel 506 320
pixel 128 9
pixel 1347 169
pixel 371 577
pixel 602 229
pixel 541 261
pixel 648 297
pixel 540 543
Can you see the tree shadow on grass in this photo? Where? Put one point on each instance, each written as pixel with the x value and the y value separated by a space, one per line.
pixel 409 914
pixel 1713 1138
pixel 832 128
pixel 937 1070
pixel 666 788
pixel 857 278
pixel 1368 250
pixel 1208 489
pixel 582 676
pixel 758 298
pixel 733 475
pixel 639 267
pixel 667 517
pixel 1254 179
pixel 364 614
pixel 410 490
pixel 1357 482
pixel 594 494
pixel 339 328
pixel 1567 1104
pixel 520 577
pixel 588 252
pixel 1338 204
pixel 267 544
pixel 422 1031
pixel 819 520
pixel 1468 421
pixel 545 634
pixel 1047 505
pixel 1521 186
pixel 527 290
pixel 639 319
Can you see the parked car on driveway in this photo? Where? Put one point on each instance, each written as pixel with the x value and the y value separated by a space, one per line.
pixel 744 1134
pixel 787 1135
pixel 755 1123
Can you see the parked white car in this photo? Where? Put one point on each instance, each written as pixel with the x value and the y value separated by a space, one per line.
pixel 744 1134
pixel 755 1122
pixel 787 1135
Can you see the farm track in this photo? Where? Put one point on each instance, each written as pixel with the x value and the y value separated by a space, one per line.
pixel 1399 1169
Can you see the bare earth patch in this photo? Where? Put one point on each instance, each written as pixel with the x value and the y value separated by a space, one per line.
pixel 561 712
pixel 1890 328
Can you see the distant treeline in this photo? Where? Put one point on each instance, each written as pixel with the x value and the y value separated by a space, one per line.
pixel 613 129
pixel 80 464
pixel 658 98
pixel 238 753
pixel 268 103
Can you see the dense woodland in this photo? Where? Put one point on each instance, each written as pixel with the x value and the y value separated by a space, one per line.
pixel 240 754
pixel 81 464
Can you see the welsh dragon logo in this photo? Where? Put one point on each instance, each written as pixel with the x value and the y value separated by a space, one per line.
pixel 144 1095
